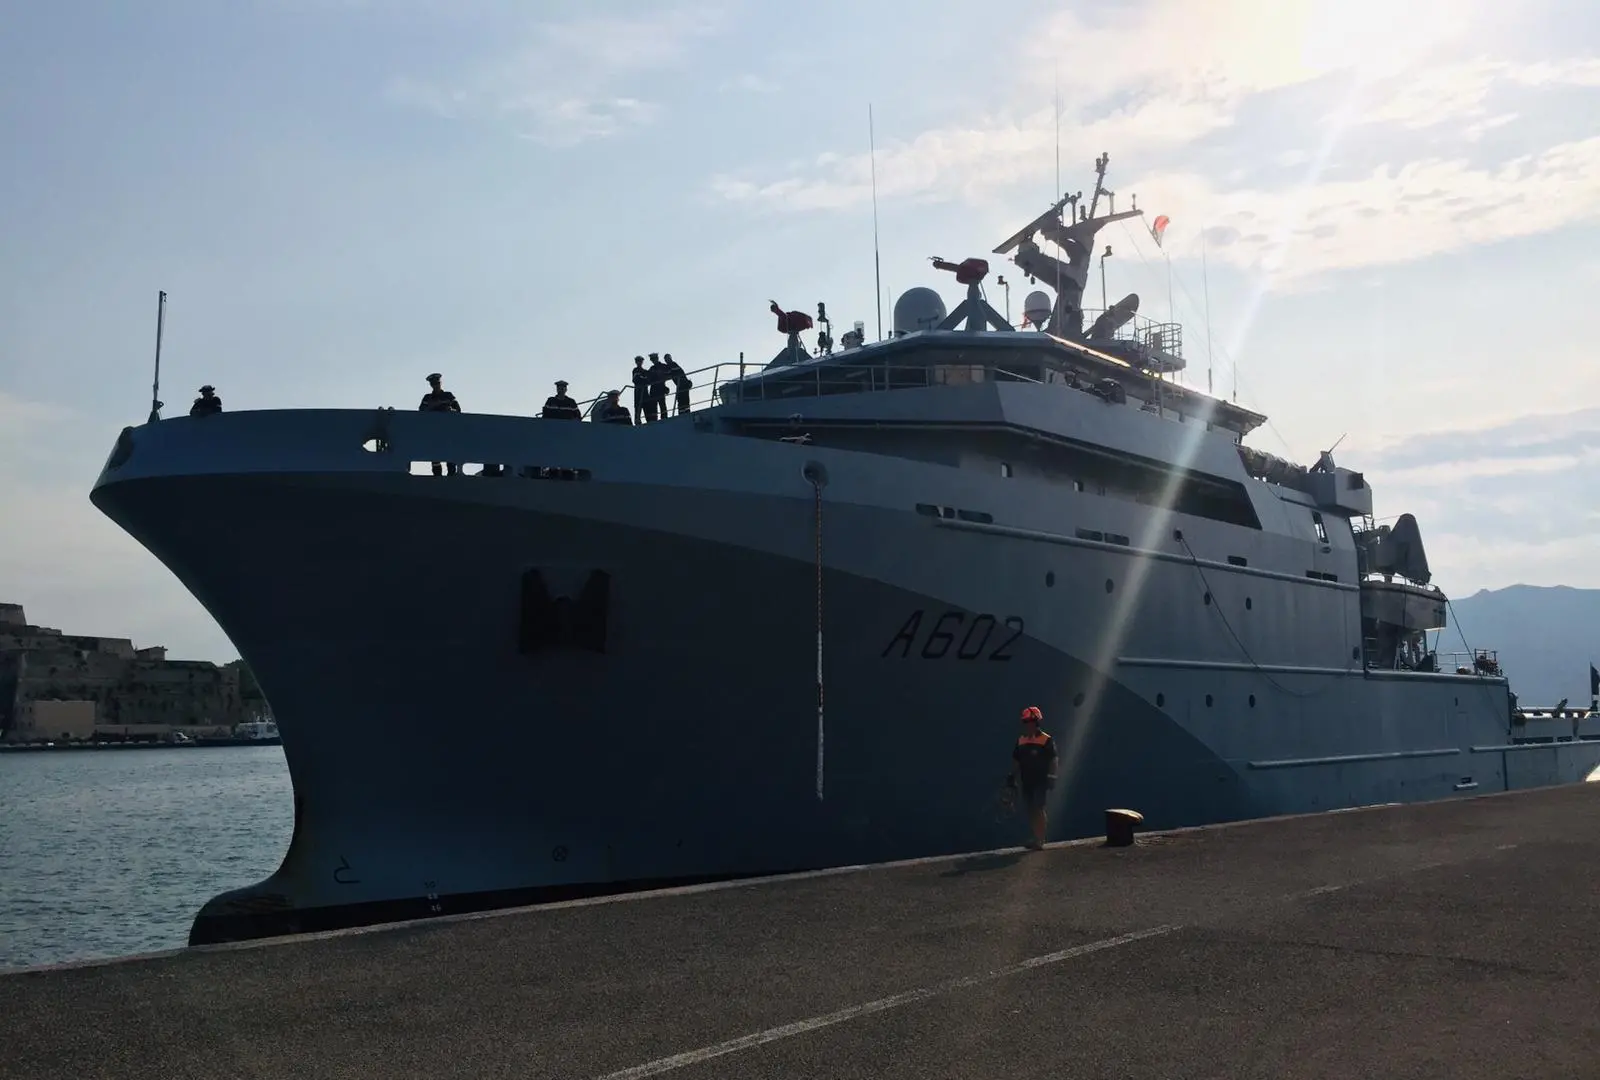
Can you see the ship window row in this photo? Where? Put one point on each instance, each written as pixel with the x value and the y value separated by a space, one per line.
pixel 1161 701
pixel 1104 537
pixel 1080 467
pixel 521 472
pixel 954 513
pixel 1147 483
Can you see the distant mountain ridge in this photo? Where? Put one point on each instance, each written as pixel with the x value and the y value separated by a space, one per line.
pixel 1546 636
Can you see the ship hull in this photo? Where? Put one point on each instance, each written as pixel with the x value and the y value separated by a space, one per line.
pixel 442 763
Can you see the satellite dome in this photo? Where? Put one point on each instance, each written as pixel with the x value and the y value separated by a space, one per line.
pixel 1037 308
pixel 918 309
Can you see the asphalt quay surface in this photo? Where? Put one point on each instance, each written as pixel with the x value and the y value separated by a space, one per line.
pixel 1457 939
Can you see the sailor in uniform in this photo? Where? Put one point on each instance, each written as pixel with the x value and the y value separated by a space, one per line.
pixel 438 399
pixel 680 380
pixel 558 406
pixel 207 404
pixel 614 411
pixel 641 391
pixel 656 409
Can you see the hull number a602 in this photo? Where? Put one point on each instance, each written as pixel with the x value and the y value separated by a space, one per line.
pixel 955 634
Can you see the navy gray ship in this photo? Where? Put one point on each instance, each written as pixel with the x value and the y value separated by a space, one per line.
pixel 793 627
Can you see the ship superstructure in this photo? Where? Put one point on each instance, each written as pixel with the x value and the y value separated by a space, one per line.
pixel 792 628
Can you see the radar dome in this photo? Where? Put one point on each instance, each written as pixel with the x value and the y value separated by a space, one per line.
pixel 918 309
pixel 1037 308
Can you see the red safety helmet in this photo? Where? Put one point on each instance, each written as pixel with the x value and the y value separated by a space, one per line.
pixel 1032 714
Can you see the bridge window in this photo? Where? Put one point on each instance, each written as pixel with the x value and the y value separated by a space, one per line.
pixel 958 374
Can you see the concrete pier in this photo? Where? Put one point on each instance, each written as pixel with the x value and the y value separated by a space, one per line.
pixel 1457 939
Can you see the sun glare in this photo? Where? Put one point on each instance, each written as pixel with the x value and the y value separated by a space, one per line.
pixel 1375 38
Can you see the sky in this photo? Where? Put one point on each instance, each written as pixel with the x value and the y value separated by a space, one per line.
pixel 1388 208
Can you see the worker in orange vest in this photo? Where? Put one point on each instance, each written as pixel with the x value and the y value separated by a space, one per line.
pixel 1033 768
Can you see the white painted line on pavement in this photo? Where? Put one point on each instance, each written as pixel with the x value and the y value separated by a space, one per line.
pixel 909 997
pixel 1323 889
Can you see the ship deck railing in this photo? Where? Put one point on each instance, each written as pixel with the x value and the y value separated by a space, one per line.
pixel 728 383
pixel 1484 663
pixel 1377 577
pixel 1143 332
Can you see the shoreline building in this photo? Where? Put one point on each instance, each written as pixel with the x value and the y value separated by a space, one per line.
pixel 58 687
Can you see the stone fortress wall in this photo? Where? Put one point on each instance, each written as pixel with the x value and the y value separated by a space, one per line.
pixel 109 689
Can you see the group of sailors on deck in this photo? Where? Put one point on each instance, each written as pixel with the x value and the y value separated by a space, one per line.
pixel 650 388
pixel 649 397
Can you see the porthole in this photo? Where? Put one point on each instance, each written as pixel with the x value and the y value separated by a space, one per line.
pixel 1208 701
pixel 1109 585
pixel 1161 700
pixel 1252 701
pixel 1077 699
pixel 1247 603
pixel 1049 579
pixel 1208 599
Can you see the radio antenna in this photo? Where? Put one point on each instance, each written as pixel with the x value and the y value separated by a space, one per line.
pixel 877 276
pixel 1206 279
pixel 1057 193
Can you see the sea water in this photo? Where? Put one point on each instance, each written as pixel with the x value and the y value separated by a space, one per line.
pixel 107 853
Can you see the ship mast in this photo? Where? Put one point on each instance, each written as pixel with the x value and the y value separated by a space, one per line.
pixel 1076 240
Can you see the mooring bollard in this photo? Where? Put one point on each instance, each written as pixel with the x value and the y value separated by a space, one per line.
pixel 1120 825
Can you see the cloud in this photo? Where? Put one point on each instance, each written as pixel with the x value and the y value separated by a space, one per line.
pixel 575 120
pixel 1456 92
pixel 1528 443
pixel 1295 235
pixel 1159 80
pixel 1531 481
pixel 748 83
pixel 566 83
pixel 1514 502
pixel 1395 213
pixel 21 419
pixel 1226 50
pixel 981 158
pixel 970 162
